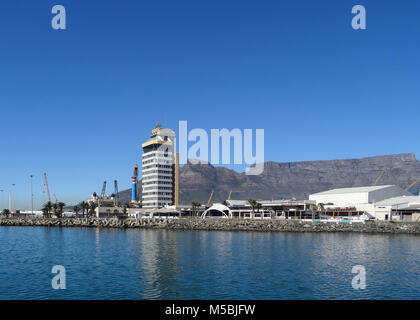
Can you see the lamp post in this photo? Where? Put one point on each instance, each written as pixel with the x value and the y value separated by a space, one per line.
pixel 10 201
pixel 13 197
pixel 32 196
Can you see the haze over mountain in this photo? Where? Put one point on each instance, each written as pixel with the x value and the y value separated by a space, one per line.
pixel 285 180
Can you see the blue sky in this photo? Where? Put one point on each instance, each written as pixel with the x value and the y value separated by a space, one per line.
pixel 78 103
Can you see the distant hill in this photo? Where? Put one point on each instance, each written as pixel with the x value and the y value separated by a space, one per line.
pixel 292 179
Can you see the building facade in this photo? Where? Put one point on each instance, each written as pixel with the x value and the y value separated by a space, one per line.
pixel 382 202
pixel 158 169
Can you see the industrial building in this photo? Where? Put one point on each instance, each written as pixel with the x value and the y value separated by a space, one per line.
pixel 382 202
pixel 160 169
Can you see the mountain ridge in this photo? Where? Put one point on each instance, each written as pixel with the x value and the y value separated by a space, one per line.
pixel 285 180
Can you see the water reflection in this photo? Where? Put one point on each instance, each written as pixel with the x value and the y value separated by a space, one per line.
pixel 160 264
pixel 157 263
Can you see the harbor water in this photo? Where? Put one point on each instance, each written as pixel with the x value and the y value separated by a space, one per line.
pixel 162 264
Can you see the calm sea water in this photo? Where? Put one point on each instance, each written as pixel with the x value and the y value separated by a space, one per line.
pixel 150 264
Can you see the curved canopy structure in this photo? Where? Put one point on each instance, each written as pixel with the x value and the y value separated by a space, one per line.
pixel 217 210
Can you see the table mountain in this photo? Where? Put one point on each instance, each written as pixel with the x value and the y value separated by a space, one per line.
pixel 285 180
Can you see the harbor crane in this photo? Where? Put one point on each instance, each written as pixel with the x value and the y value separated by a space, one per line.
pixel 116 202
pixel 47 189
pixel 413 184
pixel 211 196
pixel 230 194
pixel 103 190
pixel 379 177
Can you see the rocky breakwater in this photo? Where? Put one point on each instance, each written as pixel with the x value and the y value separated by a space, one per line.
pixel 223 225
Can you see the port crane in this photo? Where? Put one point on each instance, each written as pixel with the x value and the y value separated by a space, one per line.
pixel 103 190
pixel 230 194
pixel 116 202
pixel 379 177
pixel 413 184
pixel 211 197
pixel 47 189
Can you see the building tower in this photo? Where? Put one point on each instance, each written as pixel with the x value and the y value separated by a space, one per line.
pixel 134 182
pixel 158 169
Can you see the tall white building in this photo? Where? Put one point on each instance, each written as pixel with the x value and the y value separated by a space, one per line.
pixel 158 169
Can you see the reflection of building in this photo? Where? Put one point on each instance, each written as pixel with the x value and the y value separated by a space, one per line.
pixel 382 202
pixel 158 169
pixel 158 265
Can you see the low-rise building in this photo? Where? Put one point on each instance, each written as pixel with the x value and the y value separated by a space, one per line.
pixel 382 202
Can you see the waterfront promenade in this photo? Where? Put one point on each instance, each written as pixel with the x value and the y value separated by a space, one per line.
pixel 196 224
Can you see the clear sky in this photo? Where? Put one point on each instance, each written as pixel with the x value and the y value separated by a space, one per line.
pixel 78 103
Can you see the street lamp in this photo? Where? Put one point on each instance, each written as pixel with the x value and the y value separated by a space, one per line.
pixel 13 197
pixel 10 201
pixel 32 196
pixel 2 193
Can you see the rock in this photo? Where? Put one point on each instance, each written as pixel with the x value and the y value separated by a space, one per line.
pixel 222 225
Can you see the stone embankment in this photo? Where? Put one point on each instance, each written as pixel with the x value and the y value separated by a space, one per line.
pixel 194 224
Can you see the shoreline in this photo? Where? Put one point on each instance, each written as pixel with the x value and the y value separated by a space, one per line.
pixel 196 224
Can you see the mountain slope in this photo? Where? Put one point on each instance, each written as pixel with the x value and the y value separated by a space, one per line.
pixel 293 179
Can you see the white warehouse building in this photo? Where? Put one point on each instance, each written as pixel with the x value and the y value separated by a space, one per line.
pixel 379 201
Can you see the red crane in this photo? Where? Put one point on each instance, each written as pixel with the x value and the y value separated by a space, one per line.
pixel 46 187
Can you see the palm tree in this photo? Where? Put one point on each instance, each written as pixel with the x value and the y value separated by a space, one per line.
pixel 5 212
pixel 61 205
pixel 76 210
pixel 195 205
pixel 83 205
pixel 259 206
pixel 45 212
pixel 92 207
pixel 253 204
pixel 55 206
pixel 46 209
pixel 321 208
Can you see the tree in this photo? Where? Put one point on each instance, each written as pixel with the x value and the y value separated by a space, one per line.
pixel 61 205
pixel 6 212
pixel 125 209
pixel 259 207
pixel 195 205
pixel 253 204
pixel 84 206
pixel 45 212
pixel 46 209
pixel 55 206
pixel 92 207
pixel 76 210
